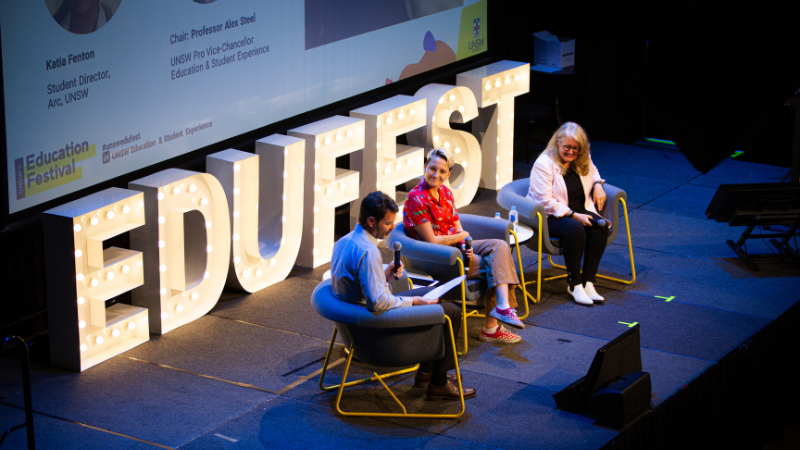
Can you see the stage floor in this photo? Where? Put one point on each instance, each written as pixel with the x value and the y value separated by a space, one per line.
pixel 245 375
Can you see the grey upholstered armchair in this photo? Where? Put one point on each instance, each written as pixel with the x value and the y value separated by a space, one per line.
pixel 530 213
pixel 394 338
pixel 444 262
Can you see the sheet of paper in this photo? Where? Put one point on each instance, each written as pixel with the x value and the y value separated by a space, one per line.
pixel 441 290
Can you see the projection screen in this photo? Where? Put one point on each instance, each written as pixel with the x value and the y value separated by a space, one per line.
pixel 95 89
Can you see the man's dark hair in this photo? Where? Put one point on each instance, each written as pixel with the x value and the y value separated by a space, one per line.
pixel 376 205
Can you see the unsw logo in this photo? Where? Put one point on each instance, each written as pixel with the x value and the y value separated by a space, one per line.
pixel 476 44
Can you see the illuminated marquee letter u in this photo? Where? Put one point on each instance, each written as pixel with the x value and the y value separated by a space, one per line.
pixel 263 191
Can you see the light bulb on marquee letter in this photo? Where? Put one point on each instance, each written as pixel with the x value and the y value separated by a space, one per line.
pixel 316 249
pixel 76 307
pixel 381 149
pixel 261 207
pixel 466 173
pixel 176 269
pixel 495 122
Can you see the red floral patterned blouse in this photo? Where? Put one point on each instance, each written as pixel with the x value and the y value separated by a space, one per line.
pixel 420 207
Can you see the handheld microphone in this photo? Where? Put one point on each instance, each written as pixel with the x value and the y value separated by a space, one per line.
pixel 468 243
pixel 597 222
pixel 397 247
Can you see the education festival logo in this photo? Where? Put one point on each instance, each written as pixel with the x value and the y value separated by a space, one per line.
pixel 37 173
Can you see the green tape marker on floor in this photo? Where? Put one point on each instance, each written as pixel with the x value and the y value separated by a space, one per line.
pixel 660 141
pixel 630 325
pixel 669 299
pixel 736 153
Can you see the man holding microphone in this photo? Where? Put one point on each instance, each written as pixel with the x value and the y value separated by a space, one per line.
pixel 357 276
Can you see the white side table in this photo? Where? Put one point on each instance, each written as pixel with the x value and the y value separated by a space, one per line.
pixel 524 233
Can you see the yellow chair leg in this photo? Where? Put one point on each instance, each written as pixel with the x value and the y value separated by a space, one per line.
pixel 458 368
pixel 380 378
pixel 464 313
pixel 630 251
pixel 521 278
pixel 538 268
pixel 523 284
pixel 357 382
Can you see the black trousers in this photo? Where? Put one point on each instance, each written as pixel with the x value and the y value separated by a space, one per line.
pixel 440 367
pixel 579 241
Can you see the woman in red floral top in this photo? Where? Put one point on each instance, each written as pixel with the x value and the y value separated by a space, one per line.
pixel 430 215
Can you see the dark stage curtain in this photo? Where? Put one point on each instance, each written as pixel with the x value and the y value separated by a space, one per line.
pixel 745 400
pixel 710 76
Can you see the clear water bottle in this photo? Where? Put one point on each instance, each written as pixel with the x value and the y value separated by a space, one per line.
pixel 513 217
pixel 497 216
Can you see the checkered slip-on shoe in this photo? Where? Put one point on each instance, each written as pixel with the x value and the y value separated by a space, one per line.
pixel 510 317
pixel 500 335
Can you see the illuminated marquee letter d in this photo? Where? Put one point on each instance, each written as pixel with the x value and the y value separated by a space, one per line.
pixel 186 245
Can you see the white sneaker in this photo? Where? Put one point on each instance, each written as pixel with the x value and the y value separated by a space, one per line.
pixel 589 288
pixel 580 296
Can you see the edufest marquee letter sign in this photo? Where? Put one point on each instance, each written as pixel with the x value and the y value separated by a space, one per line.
pixel 252 217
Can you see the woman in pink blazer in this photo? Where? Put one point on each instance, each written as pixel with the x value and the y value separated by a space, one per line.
pixel 565 181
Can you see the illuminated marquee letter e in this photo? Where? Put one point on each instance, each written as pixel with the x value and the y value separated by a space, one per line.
pixel 384 164
pixel 82 278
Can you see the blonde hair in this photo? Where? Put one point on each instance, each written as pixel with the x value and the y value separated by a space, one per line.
pixel 441 153
pixel 570 130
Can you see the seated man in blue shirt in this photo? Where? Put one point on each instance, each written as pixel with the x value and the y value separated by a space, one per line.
pixel 357 276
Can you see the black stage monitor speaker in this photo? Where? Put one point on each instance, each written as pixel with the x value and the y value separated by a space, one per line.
pixel 612 361
pixel 761 203
pixel 622 400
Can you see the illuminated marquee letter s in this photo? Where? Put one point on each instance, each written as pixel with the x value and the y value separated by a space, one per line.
pixel 443 101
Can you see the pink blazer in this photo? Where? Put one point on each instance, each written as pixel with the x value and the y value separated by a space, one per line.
pixel 549 189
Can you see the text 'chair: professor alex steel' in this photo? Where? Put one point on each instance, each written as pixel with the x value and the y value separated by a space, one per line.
pixel 393 338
